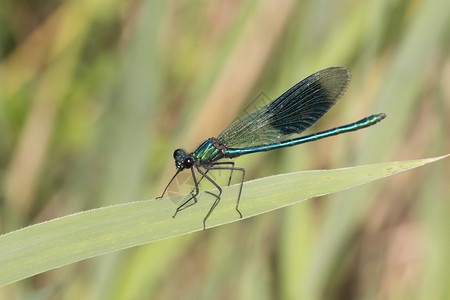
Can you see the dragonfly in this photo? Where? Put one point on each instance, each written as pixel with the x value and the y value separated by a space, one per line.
pixel 267 128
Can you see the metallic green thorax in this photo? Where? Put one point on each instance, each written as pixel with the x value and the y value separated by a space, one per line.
pixel 208 152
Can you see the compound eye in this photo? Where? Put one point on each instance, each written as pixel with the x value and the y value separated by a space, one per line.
pixel 188 162
pixel 176 153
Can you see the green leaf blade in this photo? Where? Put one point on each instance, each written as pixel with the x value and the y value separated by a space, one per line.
pixel 48 245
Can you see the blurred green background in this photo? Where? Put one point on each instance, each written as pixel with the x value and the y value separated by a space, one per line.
pixel 96 95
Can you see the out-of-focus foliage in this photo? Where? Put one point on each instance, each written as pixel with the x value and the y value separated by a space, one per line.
pixel 96 95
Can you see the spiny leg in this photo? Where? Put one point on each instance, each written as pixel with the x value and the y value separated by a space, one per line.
pixel 217 197
pixel 219 163
pixel 193 197
pixel 225 163
pixel 167 186
pixel 196 189
pixel 213 167
pixel 198 182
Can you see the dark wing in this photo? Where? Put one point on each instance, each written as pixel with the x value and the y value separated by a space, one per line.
pixel 297 109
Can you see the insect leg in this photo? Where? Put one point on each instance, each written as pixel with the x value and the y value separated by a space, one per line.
pixel 225 163
pixel 213 167
pixel 178 171
pixel 193 197
pixel 217 198
pixel 198 182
